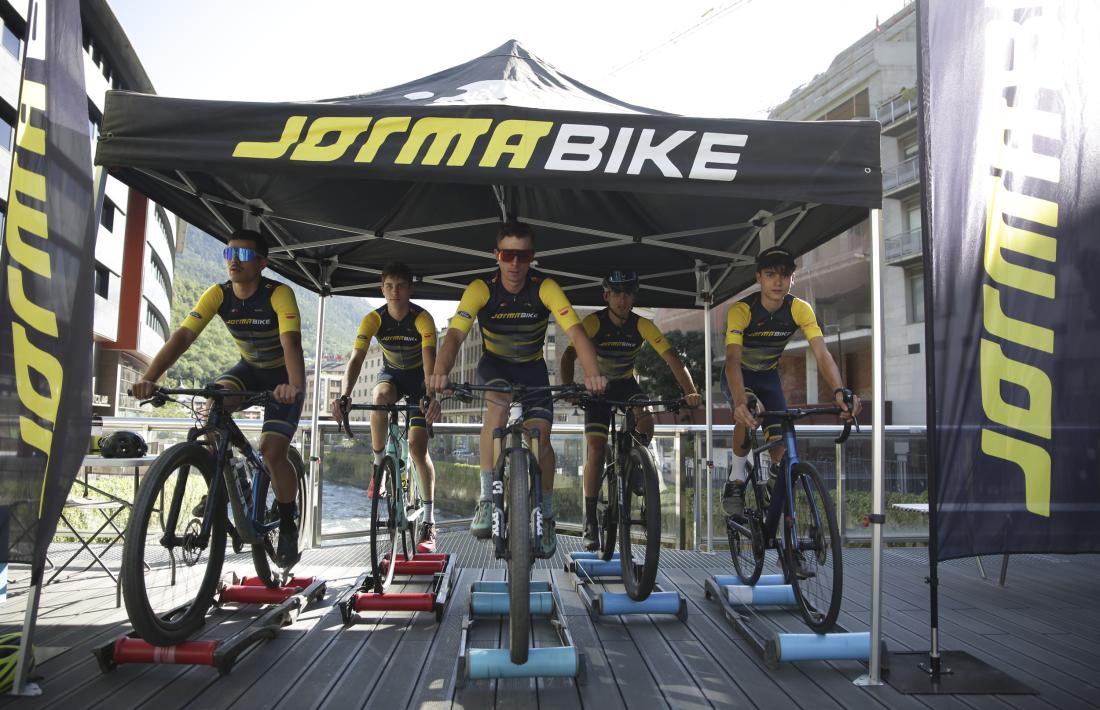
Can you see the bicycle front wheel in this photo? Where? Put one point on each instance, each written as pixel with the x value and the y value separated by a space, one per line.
pixel 169 572
pixel 383 523
pixel 607 512
pixel 414 512
pixel 519 555
pixel 746 537
pixel 640 517
pixel 812 550
pixel 264 554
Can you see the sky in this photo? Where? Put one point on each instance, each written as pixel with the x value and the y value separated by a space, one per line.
pixel 716 58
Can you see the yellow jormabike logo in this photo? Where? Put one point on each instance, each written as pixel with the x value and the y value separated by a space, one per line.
pixel 25 233
pixel 1013 424
pixel 489 143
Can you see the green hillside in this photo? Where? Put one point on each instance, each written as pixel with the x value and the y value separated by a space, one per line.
pixel 201 265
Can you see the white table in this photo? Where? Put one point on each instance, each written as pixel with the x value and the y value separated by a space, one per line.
pixel 923 508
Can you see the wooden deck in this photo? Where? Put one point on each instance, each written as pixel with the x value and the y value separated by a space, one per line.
pixel 1043 628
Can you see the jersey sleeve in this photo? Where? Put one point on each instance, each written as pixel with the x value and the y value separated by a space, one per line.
pixel 591 324
pixel 803 315
pixel 368 327
pixel 473 300
pixel 553 297
pixel 736 322
pixel 653 336
pixel 425 325
pixel 286 309
pixel 204 311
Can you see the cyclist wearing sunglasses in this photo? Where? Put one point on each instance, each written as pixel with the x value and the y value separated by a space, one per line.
pixel 618 334
pixel 512 307
pixel 262 316
pixel 406 334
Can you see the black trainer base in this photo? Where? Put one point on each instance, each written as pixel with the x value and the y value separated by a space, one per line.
pixel 960 674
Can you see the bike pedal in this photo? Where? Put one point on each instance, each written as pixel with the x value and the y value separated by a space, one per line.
pixel 238 543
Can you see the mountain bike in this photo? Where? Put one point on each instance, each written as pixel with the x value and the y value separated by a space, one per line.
pixel 517 501
pixel 181 509
pixel 630 504
pixel 396 505
pixel 809 547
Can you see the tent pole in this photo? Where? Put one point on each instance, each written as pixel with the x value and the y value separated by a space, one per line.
pixel 21 684
pixel 878 431
pixel 702 273
pixel 315 445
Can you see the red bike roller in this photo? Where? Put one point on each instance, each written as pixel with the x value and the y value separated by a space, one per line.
pixel 131 650
pixel 433 556
pixel 415 567
pixel 302 582
pixel 401 601
pixel 253 594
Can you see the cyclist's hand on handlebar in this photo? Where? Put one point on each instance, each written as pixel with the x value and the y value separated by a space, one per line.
pixel 143 389
pixel 430 407
pixel 843 397
pixel 286 394
pixel 337 412
pixel 595 384
pixel 742 416
pixel 693 400
pixel 436 383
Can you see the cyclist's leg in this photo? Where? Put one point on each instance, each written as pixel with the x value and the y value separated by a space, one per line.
pixel 495 415
pixel 538 414
pixel 768 388
pixel 412 387
pixel 596 420
pixel 385 392
pixel 733 492
pixel 280 423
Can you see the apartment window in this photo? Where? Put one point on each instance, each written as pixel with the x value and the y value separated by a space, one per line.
pixel 912 216
pixel 908 146
pixel 856 106
pixel 11 41
pixel 102 281
pixel 160 273
pixel 107 219
pixel 914 296
pixel 156 322
pixel 7 133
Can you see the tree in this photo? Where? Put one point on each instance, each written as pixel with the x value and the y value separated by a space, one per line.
pixel 656 377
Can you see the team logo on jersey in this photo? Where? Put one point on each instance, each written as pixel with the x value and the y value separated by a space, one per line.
pixel 464 314
pixel 196 314
pixel 564 311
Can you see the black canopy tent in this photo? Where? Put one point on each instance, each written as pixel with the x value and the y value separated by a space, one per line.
pixel 424 171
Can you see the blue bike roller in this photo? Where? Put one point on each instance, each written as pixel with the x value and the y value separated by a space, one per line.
pixel 502 587
pixel 599 568
pixel 778 595
pixel 557 662
pixel 655 603
pixel 487 603
pixel 584 555
pixel 766 580
pixel 854 646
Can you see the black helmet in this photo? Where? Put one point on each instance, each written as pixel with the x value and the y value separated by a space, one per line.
pixel 122 445
pixel 619 281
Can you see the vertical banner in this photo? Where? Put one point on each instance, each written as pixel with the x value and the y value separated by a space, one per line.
pixel 46 286
pixel 1011 144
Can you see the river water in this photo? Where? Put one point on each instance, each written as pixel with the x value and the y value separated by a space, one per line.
pixel 346 508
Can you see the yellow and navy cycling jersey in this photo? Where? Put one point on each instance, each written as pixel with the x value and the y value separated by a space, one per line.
pixel 255 323
pixel 513 325
pixel 763 335
pixel 402 341
pixel 617 346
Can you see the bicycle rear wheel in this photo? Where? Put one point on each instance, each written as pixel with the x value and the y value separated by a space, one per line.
pixel 383 524
pixel 640 517
pixel 746 537
pixel 607 511
pixel 812 550
pixel 414 510
pixel 264 554
pixel 169 575
pixel 520 554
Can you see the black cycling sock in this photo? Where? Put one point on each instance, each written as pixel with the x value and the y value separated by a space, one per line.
pixel 590 508
pixel 287 512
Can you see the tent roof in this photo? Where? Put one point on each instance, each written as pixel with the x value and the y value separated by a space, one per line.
pixel 423 172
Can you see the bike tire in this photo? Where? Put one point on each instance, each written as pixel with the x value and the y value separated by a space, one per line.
pixel 520 554
pixel 414 504
pixel 814 538
pixel 747 551
pixel 176 480
pixel 639 577
pixel 607 512
pixel 264 553
pixel 383 524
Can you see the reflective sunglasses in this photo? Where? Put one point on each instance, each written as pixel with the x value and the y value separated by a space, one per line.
pixel 622 281
pixel 520 256
pixel 241 253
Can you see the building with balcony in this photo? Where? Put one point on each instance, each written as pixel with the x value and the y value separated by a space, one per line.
pixel 136 240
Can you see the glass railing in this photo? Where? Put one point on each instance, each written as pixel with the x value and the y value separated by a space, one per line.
pixel 904 173
pixel 343 509
pixel 901 106
pixel 903 246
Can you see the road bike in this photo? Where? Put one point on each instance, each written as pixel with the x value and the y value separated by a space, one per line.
pixel 192 496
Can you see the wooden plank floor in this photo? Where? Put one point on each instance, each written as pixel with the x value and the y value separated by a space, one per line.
pixel 1043 628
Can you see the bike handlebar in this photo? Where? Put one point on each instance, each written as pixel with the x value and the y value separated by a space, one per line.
pixel 161 395
pixel 463 391
pixel 800 412
pixel 598 399
pixel 346 406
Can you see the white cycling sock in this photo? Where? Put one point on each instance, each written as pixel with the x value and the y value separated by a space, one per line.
pixel 737 469
pixel 429 511
pixel 378 456
pixel 486 485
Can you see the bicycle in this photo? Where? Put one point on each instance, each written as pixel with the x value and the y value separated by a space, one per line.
pixel 630 477
pixel 809 549
pixel 516 470
pixel 396 506
pixel 165 609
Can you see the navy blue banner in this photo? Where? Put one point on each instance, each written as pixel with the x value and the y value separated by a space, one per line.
pixel 1011 149
pixel 46 272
